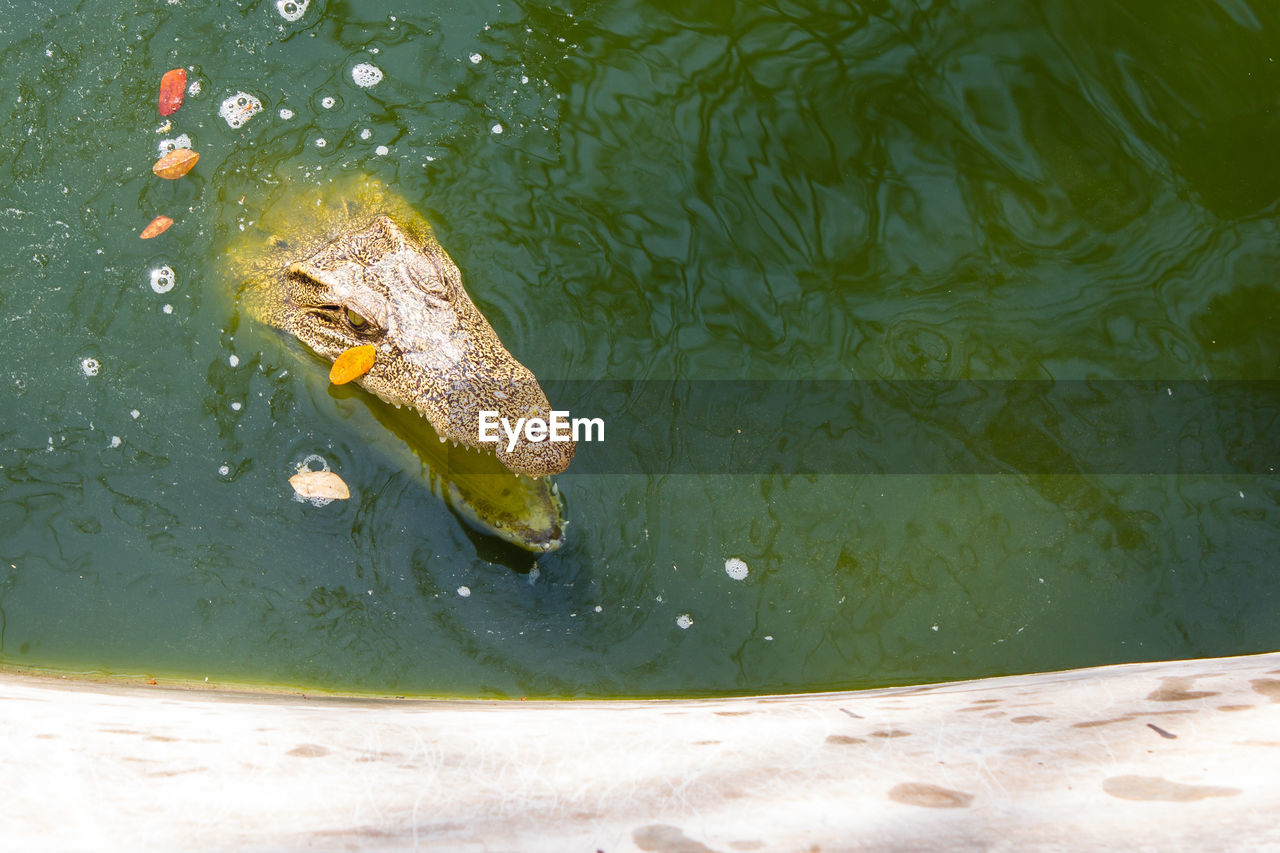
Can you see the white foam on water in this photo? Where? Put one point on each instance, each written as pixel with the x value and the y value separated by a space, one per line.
pixel 167 145
pixel 365 75
pixel 233 360
pixel 321 142
pixel 310 462
pixel 89 366
pixel 292 10
pixel 116 441
pixel 135 414
pixel 475 58
pixel 286 114
pixel 194 88
pixel 237 406
pixel 366 133
pixel 327 102
pixel 382 151
pixel 683 621
pixel 224 470
pixel 239 108
pixel 163 279
pixel 464 591
pixel 735 568
pixel 168 309
pixel 497 128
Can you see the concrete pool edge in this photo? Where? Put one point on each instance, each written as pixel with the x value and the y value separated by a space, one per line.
pixel 1180 753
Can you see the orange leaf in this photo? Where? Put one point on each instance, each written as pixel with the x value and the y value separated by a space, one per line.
pixel 158 226
pixel 320 485
pixel 352 364
pixel 176 163
pixel 173 85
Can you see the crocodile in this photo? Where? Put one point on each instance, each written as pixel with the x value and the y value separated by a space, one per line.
pixel 353 263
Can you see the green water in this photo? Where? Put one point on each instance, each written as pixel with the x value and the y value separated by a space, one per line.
pixel 707 190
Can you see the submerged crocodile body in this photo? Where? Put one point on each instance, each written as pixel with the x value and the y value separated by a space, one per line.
pixel 354 265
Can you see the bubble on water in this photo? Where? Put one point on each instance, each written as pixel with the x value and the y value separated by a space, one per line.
pixel 116 441
pixel 321 142
pixel 366 133
pixel 328 102
pixel 167 145
pixel 313 462
pixel 314 501
pixel 194 88
pixel 292 10
pixel 464 591
pixel 475 58
pixel 224 470
pixel 382 151
pixel 233 360
pixel 599 609
pixel 683 621
pixel 286 114
pixel 524 79
pixel 365 75
pixel 735 568
pixel 239 108
pixel 163 279
pixel 168 309
pixel 237 406
pixel 90 366
pixel 497 128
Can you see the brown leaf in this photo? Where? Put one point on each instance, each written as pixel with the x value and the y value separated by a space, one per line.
pixel 352 364
pixel 324 485
pixel 176 163
pixel 158 226
pixel 173 85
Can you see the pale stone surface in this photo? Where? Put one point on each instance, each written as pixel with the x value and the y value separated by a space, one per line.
pixel 1180 755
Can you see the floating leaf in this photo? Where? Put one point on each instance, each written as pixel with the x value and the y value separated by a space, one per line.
pixel 158 226
pixel 176 163
pixel 173 85
pixel 352 364
pixel 319 485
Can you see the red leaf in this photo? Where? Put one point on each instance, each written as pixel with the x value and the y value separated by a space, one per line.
pixel 173 85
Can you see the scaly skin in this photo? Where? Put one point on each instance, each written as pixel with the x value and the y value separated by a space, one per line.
pixel 358 266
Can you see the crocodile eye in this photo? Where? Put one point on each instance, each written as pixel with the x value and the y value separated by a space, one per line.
pixel 356 321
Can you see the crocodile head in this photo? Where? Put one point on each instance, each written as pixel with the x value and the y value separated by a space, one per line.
pixel 380 284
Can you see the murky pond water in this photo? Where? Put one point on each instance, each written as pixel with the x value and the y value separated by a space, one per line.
pixel 891 191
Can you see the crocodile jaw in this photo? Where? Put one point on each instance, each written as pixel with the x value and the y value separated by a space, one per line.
pixel 436 352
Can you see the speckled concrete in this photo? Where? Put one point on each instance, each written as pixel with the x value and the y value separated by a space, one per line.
pixel 1182 755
